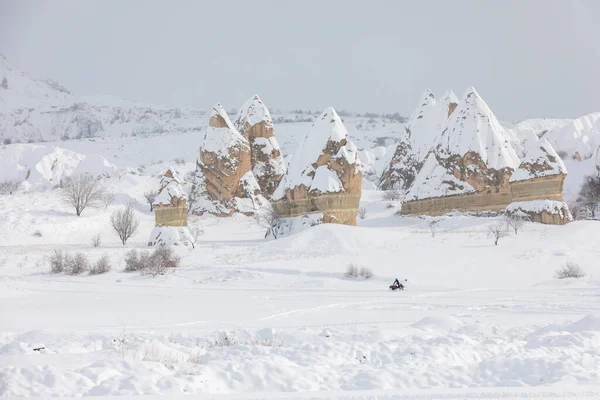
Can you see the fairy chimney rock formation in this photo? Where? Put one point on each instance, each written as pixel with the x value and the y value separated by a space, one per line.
pixel 425 125
pixel 170 211
pixel 224 167
pixel 256 125
pixel 324 176
pixel 474 166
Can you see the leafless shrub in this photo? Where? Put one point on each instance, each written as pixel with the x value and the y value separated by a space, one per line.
pixel 108 199
pixel 389 205
pixel 102 266
pixel 9 187
pixel 196 358
pixel 365 272
pixel 179 161
pixel 124 222
pixel 433 226
pixel 270 218
pixel 135 261
pixel 392 195
pixel 569 270
pixel 224 340
pixel 81 191
pixel 362 213
pixel 161 260
pixel 77 264
pixel 352 271
pixel 37 234
pixel 57 262
pixel 96 240
pixel 150 195
pixel 157 263
pixel 514 222
pixel 589 194
pixel 562 154
pixel 497 231
pixel 7 141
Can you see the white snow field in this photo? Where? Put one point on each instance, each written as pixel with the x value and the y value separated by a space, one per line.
pixel 247 318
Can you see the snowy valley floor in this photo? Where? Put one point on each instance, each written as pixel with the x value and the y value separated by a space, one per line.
pixel 246 318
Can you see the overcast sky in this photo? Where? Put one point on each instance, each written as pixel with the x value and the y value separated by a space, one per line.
pixel 526 58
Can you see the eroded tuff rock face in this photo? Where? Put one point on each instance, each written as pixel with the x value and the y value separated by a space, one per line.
pixel 425 125
pixel 170 208
pixel 224 170
pixel 324 176
pixel 254 123
pixel 475 166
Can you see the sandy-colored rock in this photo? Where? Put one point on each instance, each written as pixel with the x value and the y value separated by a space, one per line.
pixel 224 170
pixel 254 122
pixel 325 175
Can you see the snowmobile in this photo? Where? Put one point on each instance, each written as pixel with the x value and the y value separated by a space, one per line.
pixel 397 285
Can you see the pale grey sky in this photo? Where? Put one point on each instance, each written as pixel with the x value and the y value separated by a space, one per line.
pixel 526 58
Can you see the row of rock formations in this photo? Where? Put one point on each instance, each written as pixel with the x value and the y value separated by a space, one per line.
pixel 472 163
pixel 240 168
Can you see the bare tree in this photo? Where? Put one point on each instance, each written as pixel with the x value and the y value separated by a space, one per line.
pixel 589 194
pixel 150 195
pixel 497 231
pixel 108 199
pixel 4 84
pixel 514 222
pixel 196 189
pixel 433 226
pixel 81 191
pixel 269 218
pixel 124 222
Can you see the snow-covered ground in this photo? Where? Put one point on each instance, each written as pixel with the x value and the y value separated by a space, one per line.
pixel 476 320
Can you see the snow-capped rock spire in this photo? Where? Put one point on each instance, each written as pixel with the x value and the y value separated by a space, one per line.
pixel 325 174
pixel 255 124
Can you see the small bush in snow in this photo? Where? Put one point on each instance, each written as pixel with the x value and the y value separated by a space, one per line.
pixel 77 264
pixel 9 187
pixel 57 262
pixel 366 273
pixel 392 195
pixel 179 161
pixel 96 240
pixel 161 260
pixel 102 266
pixel 570 270
pixel 7 141
pixel 134 261
pixel 37 234
pixel 433 227
pixel 362 213
pixel 224 340
pixel 351 271
pixel 158 263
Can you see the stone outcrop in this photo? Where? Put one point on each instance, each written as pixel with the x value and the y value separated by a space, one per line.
pixel 421 131
pixel 543 211
pixel 170 211
pixel 224 176
pixel 254 123
pixel 476 166
pixel 324 176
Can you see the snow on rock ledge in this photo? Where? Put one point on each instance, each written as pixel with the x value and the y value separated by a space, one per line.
pixel 324 175
pixel 544 211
